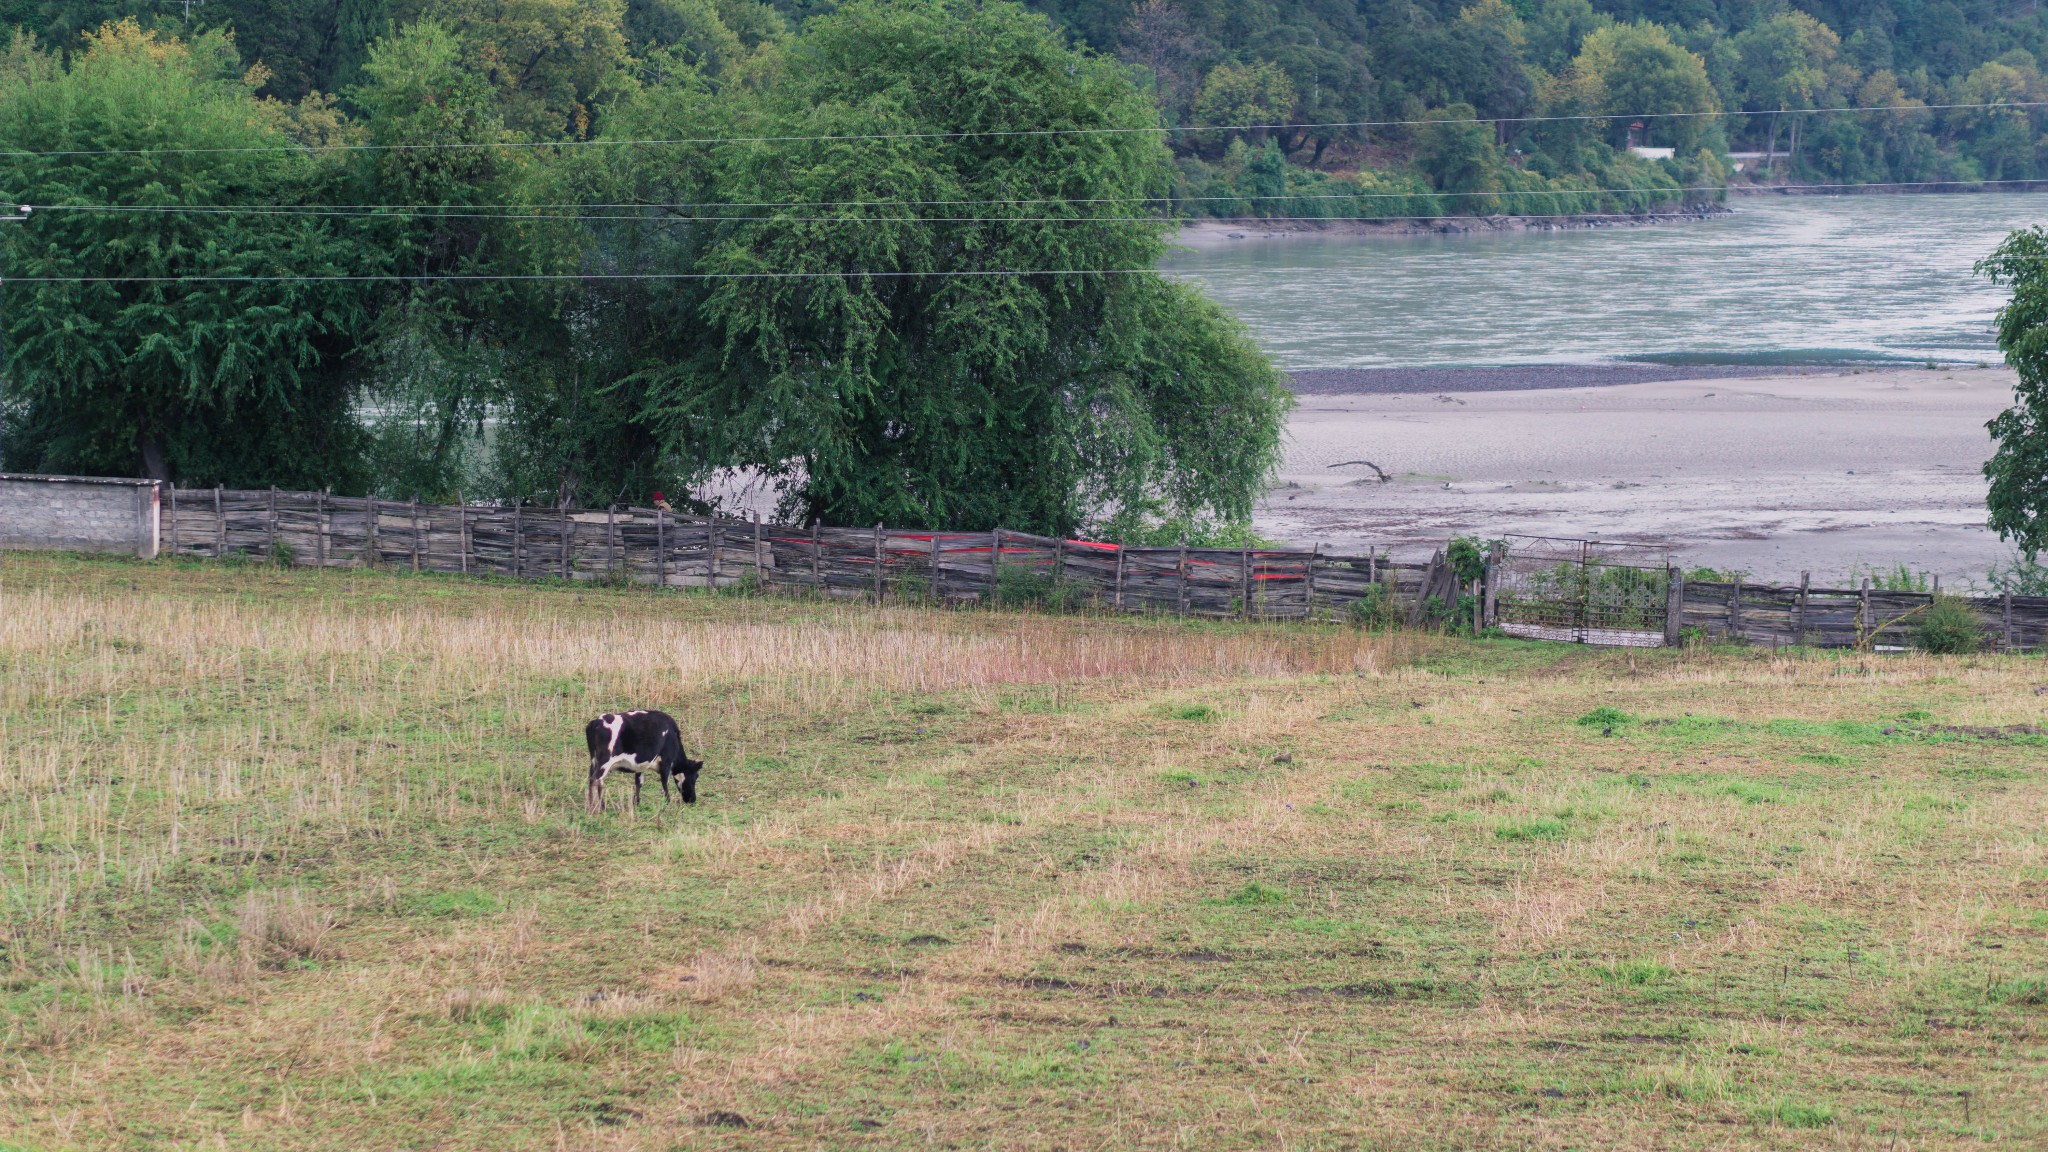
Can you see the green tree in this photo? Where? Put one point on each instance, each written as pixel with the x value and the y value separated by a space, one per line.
pixel 1238 94
pixel 1783 62
pixel 2018 468
pixel 1635 70
pixel 192 380
pixel 946 371
pixel 1457 153
pixel 553 63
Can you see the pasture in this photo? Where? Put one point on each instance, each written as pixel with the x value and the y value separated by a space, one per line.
pixel 298 860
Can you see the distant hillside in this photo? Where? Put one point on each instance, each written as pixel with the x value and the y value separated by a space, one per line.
pixel 1318 65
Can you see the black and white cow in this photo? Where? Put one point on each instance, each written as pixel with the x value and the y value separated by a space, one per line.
pixel 633 742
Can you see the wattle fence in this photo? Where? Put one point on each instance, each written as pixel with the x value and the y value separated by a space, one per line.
pixel 1626 603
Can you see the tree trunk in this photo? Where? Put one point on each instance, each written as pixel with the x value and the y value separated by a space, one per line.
pixel 153 465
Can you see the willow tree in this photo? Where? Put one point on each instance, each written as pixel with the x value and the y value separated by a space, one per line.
pixel 931 310
pixel 149 339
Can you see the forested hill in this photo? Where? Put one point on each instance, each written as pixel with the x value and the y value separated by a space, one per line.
pixel 1336 62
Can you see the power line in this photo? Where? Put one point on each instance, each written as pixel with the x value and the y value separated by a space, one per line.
pixel 906 219
pixel 989 134
pixel 565 276
pixel 640 208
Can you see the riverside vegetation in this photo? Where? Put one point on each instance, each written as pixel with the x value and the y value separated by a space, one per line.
pixel 297 860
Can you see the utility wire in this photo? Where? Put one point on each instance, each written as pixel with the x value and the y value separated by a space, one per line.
pixel 987 134
pixel 904 219
pixel 564 276
pixel 630 210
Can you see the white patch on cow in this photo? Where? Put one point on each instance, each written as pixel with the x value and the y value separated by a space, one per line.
pixel 624 760
pixel 614 724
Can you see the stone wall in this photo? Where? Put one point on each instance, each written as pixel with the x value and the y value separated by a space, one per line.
pixel 80 513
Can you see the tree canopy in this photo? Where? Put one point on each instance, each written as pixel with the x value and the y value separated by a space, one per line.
pixel 228 376
pixel 899 302
pixel 2018 468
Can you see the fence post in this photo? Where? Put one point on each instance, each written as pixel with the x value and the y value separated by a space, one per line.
pixel 1314 554
pixel 1735 609
pixel 566 522
pixel 320 526
pixel 462 533
pixel 1180 572
pixel 1118 599
pixel 1863 629
pixel 1244 577
pixel 937 587
pixel 518 537
pixel 760 562
pixel 371 514
pixel 995 567
pixel 220 526
pixel 660 548
pixel 174 518
pixel 1674 606
pixel 415 510
pixel 714 541
pixel 2007 621
pixel 878 561
pixel 1059 560
pixel 1799 626
pixel 817 556
pixel 273 524
pixel 611 538
pixel 1585 594
pixel 1372 565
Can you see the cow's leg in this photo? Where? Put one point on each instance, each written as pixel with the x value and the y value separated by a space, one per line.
pixel 662 766
pixel 593 792
pixel 636 786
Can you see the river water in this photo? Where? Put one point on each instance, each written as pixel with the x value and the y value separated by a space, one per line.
pixel 1864 452
pixel 1779 280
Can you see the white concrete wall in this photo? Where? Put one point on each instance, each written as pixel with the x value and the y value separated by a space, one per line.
pixel 80 513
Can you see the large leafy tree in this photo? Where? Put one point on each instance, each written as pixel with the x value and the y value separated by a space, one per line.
pixel 976 337
pixel 1635 70
pixel 2018 469
pixel 121 361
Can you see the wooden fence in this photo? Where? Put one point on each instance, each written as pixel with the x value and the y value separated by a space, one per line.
pixel 646 546
pixel 1783 616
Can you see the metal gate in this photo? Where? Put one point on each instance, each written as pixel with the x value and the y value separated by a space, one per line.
pixel 1585 591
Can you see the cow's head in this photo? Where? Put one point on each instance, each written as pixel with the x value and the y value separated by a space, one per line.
pixel 690 768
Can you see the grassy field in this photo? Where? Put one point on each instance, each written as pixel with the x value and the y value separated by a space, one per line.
pixel 298 860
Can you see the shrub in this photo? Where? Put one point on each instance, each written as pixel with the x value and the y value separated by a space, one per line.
pixel 1376 610
pixel 1949 627
pixel 1604 716
pixel 2020 577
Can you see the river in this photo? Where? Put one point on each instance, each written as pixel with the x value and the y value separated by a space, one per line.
pixel 1779 280
pixel 1865 452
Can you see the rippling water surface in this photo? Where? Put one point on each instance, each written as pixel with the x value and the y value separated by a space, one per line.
pixel 1780 280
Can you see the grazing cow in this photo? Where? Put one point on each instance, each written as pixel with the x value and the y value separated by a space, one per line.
pixel 633 742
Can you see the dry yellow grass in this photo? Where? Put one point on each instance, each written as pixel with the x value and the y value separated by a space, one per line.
pixel 297 860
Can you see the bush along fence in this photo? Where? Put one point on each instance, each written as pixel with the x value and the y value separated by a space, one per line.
pixel 1523 589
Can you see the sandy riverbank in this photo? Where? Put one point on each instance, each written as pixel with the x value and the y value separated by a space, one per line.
pixel 1771 471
